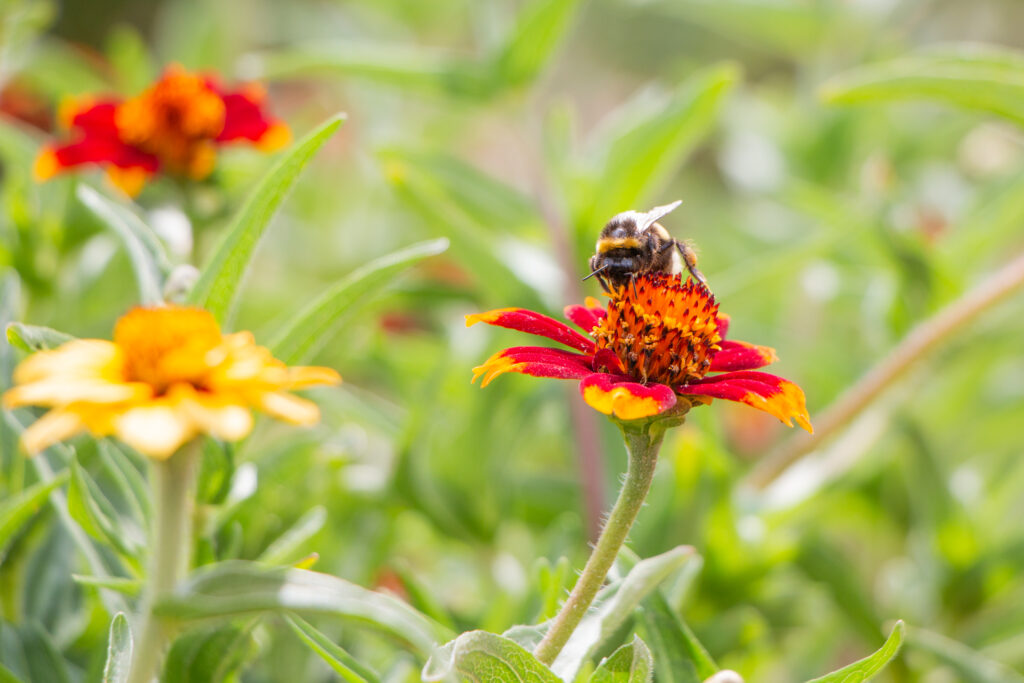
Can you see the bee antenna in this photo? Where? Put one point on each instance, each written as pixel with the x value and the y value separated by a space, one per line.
pixel 595 272
pixel 657 212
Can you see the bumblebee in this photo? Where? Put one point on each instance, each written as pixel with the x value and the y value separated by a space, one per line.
pixel 632 243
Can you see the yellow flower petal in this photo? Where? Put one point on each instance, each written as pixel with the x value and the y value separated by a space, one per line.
pixel 216 415
pixel 307 376
pixel 79 358
pixel 59 391
pixel 55 426
pixel 155 429
pixel 289 408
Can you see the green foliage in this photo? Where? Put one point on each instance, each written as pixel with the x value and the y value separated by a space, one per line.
pixel 342 662
pixel 865 669
pixel 479 656
pixel 233 589
pixel 223 273
pixel 496 139
pixel 631 663
pixel 985 79
pixel 119 651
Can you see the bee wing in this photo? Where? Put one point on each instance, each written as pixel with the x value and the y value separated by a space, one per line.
pixel 652 216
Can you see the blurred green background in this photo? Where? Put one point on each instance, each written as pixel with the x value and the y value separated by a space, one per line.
pixel 827 225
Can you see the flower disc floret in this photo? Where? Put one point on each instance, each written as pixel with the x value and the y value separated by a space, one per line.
pixel 169 376
pixel 662 330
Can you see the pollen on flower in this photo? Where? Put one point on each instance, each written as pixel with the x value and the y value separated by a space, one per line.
pixel 164 346
pixel 662 329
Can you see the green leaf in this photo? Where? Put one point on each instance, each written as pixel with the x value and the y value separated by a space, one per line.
pixel 221 276
pixel 642 147
pixel 146 253
pixel 483 657
pixel 311 327
pixel 540 27
pixel 285 547
pixel 972 665
pixel 17 510
pixel 631 663
pixel 130 483
pixel 210 655
pixel 7 676
pixel 985 79
pixel 864 669
pixel 401 65
pixel 682 658
pixel 131 587
pixel 96 515
pixel 336 657
pixel 119 651
pixel 235 588
pixel 34 338
pixel 613 606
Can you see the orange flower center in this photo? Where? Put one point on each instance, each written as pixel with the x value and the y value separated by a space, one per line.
pixel 168 345
pixel 662 329
pixel 176 119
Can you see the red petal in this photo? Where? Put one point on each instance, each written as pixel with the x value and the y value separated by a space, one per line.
pixel 537 361
pixel 625 399
pixel 583 317
pixel 95 118
pixel 605 360
pixel 244 119
pixel 52 160
pixel 534 323
pixel 770 393
pixel 737 355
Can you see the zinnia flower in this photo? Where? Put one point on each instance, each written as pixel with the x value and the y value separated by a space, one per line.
pixel 174 127
pixel 168 376
pixel 657 342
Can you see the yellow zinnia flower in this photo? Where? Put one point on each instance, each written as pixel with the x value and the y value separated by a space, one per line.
pixel 168 376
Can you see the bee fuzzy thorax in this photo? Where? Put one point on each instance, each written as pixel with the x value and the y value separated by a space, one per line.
pixel 633 243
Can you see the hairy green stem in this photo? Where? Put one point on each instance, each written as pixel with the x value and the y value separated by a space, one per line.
pixel 642 443
pixel 169 555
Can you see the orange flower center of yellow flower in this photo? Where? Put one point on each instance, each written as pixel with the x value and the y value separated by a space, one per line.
pixel 662 329
pixel 166 346
pixel 176 119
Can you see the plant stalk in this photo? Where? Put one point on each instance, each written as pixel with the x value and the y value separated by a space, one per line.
pixel 169 556
pixel 642 443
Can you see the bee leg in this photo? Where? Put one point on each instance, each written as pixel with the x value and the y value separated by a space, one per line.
pixel 690 261
pixel 632 283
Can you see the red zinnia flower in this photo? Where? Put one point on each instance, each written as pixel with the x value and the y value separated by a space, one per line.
pixel 175 127
pixel 657 341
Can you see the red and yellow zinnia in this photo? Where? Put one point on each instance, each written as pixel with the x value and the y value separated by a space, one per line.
pixel 168 376
pixel 174 126
pixel 657 341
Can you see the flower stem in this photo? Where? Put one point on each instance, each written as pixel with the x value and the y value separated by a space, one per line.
pixel 170 548
pixel 642 442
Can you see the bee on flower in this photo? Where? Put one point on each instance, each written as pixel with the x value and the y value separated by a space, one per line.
pixel 168 376
pixel 659 341
pixel 174 127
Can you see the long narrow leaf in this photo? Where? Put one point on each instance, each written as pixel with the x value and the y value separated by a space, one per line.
pixel 311 327
pixel 335 656
pixel 864 669
pixel 19 509
pixel 146 253
pixel 218 284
